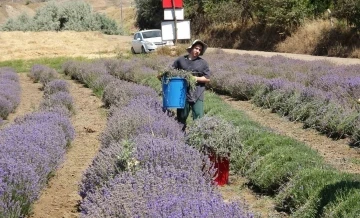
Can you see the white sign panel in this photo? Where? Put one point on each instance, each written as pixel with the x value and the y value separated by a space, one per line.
pixel 168 29
pixel 169 14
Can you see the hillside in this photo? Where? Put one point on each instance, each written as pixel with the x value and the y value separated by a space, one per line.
pixel 112 8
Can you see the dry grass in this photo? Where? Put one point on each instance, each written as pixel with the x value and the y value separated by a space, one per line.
pixel 179 49
pixel 124 18
pixel 305 39
pixel 318 37
pixel 355 53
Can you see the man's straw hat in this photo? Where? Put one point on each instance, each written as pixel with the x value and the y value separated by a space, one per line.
pixel 198 41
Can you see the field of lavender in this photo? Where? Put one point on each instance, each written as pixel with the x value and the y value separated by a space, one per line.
pixel 144 167
pixel 33 146
pixel 148 167
pixel 319 94
pixel 283 168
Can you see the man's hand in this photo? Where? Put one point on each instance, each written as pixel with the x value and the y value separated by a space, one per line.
pixel 202 79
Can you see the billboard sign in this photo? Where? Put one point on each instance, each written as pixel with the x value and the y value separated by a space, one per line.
pixel 168 29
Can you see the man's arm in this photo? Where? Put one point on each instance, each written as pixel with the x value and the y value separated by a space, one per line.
pixel 206 75
pixel 202 79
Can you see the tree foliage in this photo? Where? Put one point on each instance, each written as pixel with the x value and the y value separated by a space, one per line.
pixel 149 14
pixel 288 13
pixel 348 10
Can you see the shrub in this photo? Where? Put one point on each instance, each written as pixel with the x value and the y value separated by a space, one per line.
pixel 149 14
pixel 22 23
pixel 307 185
pixel 58 99
pixel 55 86
pixel 104 166
pixel 277 167
pixel 6 107
pixel 47 18
pixel 159 192
pixel 119 93
pixel 73 15
pixel 93 75
pixel 139 117
pixel 257 144
pixel 107 25
pixel 30 151
pixel 349 207
pixel 44 116
pixel 9 92
pixel 214 135
pixel 329 197
pixel 42 74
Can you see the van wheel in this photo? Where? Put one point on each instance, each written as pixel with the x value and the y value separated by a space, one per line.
pixel 143 50
pixel 132 50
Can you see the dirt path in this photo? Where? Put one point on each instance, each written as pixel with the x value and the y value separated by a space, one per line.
pixel 60 198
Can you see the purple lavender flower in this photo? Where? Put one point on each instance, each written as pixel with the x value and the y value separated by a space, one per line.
pixel 58 99
pixel 29 153
pixel 42 74
pixel 53 117
pixel 159 192
pixel 9 91
pixel 55 86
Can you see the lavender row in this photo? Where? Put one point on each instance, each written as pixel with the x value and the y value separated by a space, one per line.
pixel 144 167
pixel 9 92
pixel 138 174
pixel 31 150
pixel 319 94
pixel 56 91
pixel 43 74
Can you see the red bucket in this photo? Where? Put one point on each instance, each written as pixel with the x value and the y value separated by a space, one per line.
pixel 222 167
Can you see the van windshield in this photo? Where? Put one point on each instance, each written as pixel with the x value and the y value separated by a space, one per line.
pixel 151 34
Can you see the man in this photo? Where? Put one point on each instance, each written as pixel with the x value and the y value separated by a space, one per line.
pixel 200 70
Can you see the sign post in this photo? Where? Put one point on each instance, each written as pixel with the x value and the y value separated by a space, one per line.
pixel 173 4
pixel 174 26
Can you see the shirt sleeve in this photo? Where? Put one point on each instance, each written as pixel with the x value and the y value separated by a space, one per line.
pixel 206 71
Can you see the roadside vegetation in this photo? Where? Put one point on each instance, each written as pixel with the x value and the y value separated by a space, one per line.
pixel 328 28
pixel 325 28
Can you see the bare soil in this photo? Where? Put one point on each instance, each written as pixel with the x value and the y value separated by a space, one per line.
pixel 60 198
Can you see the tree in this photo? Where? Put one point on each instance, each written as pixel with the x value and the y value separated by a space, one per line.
pixel 149 14
pixel 281 13
pixel 348 10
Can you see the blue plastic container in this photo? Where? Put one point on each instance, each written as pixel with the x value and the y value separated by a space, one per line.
pixel 174 92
